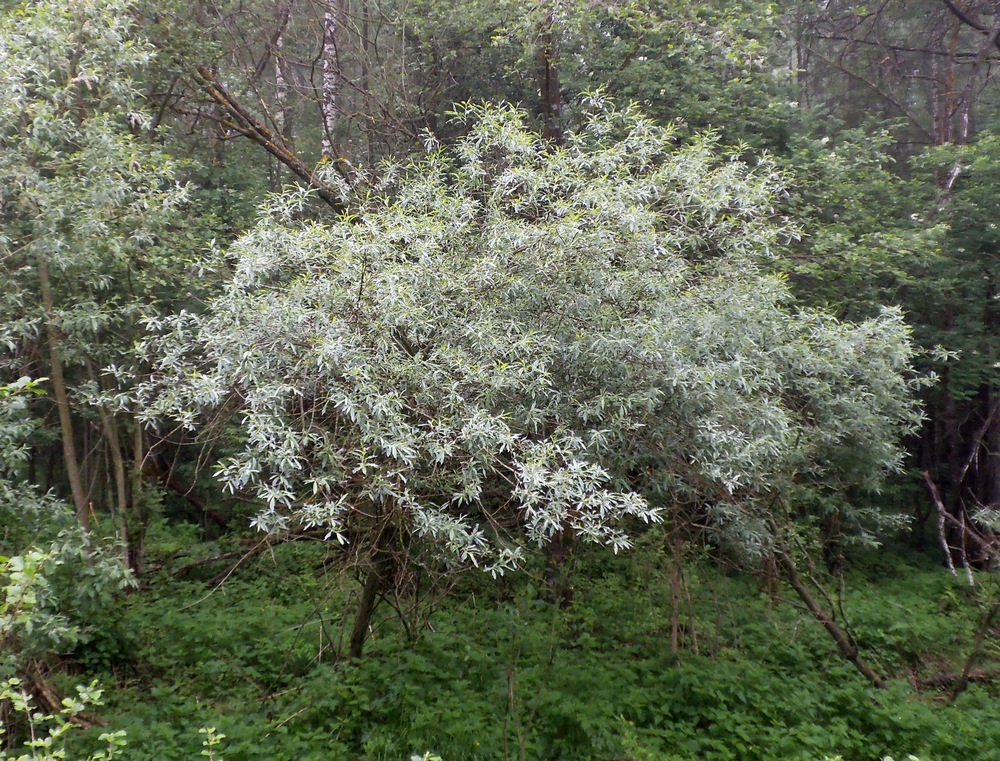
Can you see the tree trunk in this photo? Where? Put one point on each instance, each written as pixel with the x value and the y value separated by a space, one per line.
pixel 366 83
pixel 548 80
pixel 285 118
pixel 558 576
pixel 377 580
pixel 118 471
pixel 114 448
pixel 330 95
pixel 379 575
pixel 137 544
pixel 62 399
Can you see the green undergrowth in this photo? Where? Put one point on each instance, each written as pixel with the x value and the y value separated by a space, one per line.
pixel 505 674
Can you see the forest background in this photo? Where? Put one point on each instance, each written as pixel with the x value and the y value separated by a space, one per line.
pixel 611 380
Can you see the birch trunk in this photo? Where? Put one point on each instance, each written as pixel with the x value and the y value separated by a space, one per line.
pixel 284 117
pixel 330 95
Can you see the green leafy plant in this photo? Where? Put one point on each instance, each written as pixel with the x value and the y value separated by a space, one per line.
pixel 47 732
pixel 212 743
pixel 57 581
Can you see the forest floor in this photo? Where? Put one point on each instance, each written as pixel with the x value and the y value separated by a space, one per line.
pixel 645 665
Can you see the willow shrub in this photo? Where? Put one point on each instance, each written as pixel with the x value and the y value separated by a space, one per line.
pixel 507 339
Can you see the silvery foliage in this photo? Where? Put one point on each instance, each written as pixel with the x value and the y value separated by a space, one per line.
pixel 510 336
pixel 79 186
pixel 25 512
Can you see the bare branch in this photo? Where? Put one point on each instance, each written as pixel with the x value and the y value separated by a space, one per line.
pixel 245 123
pixel 964 17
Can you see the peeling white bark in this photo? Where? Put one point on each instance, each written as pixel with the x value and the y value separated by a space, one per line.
pixel 329 99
